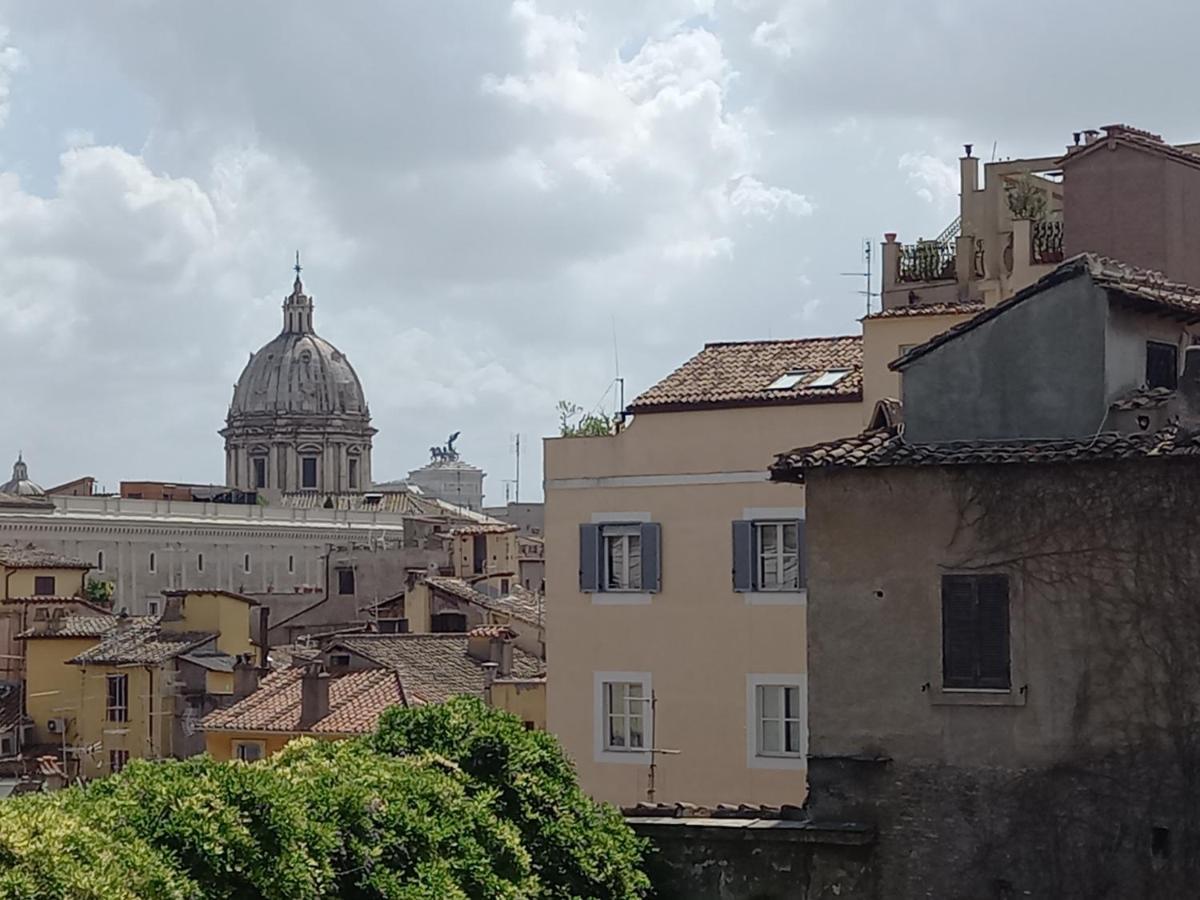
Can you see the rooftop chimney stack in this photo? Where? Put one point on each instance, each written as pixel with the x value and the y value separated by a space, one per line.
pixel 245 677
pixel 1188 392
pixel 314 695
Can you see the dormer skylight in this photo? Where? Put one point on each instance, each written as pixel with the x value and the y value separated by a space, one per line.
pixel 788 380
pixel 829 378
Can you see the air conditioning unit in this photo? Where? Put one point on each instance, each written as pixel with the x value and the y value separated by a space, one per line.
pixel 56 726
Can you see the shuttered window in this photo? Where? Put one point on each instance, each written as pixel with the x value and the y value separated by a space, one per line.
pixel 620 558
pixel 768 555
pixel 975 645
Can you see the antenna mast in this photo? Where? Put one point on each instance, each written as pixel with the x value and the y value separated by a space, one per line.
pixel 517 481
pixel 866 273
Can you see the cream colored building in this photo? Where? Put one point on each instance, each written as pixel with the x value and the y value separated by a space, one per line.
pixel 675 578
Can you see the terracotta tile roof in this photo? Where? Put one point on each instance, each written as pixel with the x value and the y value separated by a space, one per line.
pixel 433 667
pixel 1131 137
pixel 72 627
pixel 245 598
pixel 886 447
pixel 1144 398
pixel 17 501
pixel 142 643
pixel 10 707
pixel 212 660
pixel 520 603
pixel 356 701
pixel 738 374
pixel 58 601
pixel 483 529
pixel 1142 287
pixel 502 632
pixel 283 656
pixel 928 309
pixel 404 502
pixel 31 557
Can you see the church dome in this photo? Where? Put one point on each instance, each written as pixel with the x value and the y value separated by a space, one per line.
pixel 20 484
pixel 298 371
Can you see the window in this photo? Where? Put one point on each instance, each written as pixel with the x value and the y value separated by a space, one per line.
pixel 117 709
pixel 153 563
pixel 626 714
pixel 345 578
pixel 8 745
pixel 1162 365
pixel 259 464
pixel 248 751
pixel 778 563
pixel 308 472
pixel 829 378
pixel 622 557
pixel 43 586
pixel 788 380
pixel 153 607
pixel 448 623
pixel 291 565
pixel 768 554
pixel 779 719
pixel 339 660
pixel 246 563
pixel 117 760
pixel 100 560
pixel 199 562
pixel 352 467
pixel 975 651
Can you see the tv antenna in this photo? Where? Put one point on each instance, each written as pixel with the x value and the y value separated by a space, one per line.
pixel 866 273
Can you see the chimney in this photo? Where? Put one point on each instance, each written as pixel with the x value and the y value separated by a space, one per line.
pixel 245 677
pixel 502 655
pixel 314 695
pixel 489 679
pixel 1090 136
pixel 172 606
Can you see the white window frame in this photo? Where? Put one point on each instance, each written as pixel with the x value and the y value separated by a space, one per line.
pixel 620 533
pixel 113 755
pixel 604 597
pixel 757 758
pixel 153 606
pixel 772 596
pixel 260 747
pixel 605 753
pixel 779 526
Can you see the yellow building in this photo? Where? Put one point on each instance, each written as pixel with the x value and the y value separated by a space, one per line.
pixel 488 553
pixel 107 689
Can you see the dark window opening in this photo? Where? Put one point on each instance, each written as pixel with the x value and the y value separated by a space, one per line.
pixel 117 760
pixel 479 554
pixel 1160 842
pixel 308 472
pixel 345 581
pixel 975 646
pixel 43 586
pixel 1162 365
pixel 353 473
pixel 117 707
pixel 448 623
pixel 339 660
pixel 260 471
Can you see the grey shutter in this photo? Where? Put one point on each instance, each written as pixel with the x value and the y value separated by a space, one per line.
pixel 802 556
pixel 589 558
pixel 960 630
pixel 992 613
pixel 651 535
pixel 744 556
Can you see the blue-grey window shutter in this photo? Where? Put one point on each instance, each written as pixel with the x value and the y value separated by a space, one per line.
pixel 589 558
pixel 651 557
pixel 744 563
pixel 802 546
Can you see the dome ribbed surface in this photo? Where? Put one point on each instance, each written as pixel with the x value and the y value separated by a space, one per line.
pixel 300 373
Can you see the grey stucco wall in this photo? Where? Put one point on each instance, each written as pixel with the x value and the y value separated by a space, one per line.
pixel 1125 346
pixel 1035 371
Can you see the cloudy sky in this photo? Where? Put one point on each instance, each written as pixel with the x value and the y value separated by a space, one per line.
pixel 485 192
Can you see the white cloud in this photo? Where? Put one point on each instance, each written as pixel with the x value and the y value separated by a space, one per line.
pixel 10 61
pixel 933 179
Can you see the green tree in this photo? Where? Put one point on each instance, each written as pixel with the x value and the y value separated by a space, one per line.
pixel 572 423
pixel 98 592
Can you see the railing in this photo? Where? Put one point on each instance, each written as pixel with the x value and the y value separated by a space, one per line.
pixel 925 261
pixel 1046 242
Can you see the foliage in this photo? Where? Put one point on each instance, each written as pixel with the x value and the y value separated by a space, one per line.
pixel 572 424
pixel 453 801
pixel 1026 199
pixel 98 592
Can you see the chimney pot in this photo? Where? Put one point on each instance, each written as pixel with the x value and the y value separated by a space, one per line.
pixel 245 677
pixel 967 150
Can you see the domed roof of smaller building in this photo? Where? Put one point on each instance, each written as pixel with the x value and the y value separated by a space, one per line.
pixel 298 371
pixel 20 484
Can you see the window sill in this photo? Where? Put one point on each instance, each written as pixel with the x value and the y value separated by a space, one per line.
pixel 629 757
pixel 620 598
pixel 776 598
pixel 781 762
pixel 976 697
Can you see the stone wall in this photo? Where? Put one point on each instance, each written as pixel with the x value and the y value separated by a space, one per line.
pixel 757 859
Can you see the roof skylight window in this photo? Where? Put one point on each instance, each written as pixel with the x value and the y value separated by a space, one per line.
pixel 788 380
pixel 829 378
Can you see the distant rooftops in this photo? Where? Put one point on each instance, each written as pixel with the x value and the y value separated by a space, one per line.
pixel 31 557
pixel 761 373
